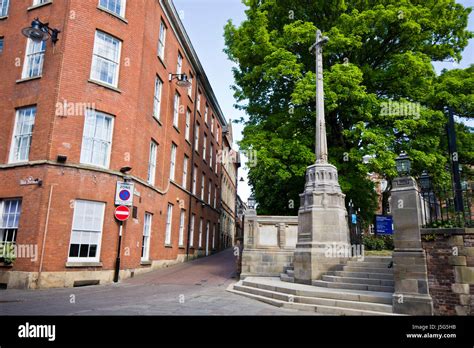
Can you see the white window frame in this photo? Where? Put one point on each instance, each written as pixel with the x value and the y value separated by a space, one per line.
pixel 211 152
pixel 191 231
pixel 18 137
pixel 176 104
pixel 200 233
pixel 106 141
pixel 194 180
pixel 6 223
pixel 157 98
pixel 203 185
pixel 4 5
pixel 214 237
pixel 179 64
pixel 40 2
pixel 215 197
pixel 34 60
pixel 98 205
pixel 196 138
pixel 190 88
pixel 207 238
pixel 209 191
pixel 123 4
pixel 204 147
pixel 187 129
pixel 96 58
pixel 152 162
pixel 169 220
pixel 147 222
pixel 185 171
pixel 173 161
pixel 206 114
pixel 198 102
pixel 181 228
pixel 162 41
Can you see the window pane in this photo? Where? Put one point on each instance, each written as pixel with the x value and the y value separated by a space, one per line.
pixel 25 120
pixel 97 138
pixel 105 60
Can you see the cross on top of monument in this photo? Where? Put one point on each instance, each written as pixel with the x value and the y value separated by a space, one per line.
pixel 321 141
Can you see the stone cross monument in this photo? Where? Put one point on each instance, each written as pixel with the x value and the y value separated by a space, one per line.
pixel 323 233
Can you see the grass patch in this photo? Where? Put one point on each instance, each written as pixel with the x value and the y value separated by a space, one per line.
pixel 378 252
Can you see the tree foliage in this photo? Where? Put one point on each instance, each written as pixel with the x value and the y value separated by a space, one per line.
pixel 379 52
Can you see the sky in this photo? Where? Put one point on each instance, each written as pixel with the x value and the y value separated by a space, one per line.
pixel 204 21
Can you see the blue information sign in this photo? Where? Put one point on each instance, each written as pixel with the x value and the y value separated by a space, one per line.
pixel 383 224
pixel 354 219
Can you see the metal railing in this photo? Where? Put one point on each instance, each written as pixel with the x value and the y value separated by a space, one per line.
pixel 441 208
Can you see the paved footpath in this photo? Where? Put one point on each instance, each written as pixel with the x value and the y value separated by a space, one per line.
pixel 191 288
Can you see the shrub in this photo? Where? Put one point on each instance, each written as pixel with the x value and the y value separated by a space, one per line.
pixel 373 242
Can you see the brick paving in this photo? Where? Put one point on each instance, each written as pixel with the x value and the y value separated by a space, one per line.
pixel 192 288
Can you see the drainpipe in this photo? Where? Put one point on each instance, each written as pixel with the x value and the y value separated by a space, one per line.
pixel 44 235
pixel 191 196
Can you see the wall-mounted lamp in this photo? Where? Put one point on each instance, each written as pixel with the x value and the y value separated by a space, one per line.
pixel 182 80
pixel 40 31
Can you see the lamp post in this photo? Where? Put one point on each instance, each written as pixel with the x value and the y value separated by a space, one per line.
pixel 403 163
pixel 454 157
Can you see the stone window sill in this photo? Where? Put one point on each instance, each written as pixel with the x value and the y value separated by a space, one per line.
pixel 115 89
pixel 83 264
pixel 3 17
pixel 39 5
pixel 26 79
pixel 145 263
pixel 113 14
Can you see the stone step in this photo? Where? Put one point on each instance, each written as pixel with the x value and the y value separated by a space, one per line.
pixel 352 286
pixel 286 278
pixel 386 276
pixel 312 304
pixel 319 292
pixel 365 269
pixel 369 264
pixel 354 280
pixel 378 258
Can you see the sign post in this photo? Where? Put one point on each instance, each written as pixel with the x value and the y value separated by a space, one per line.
pixel 121 214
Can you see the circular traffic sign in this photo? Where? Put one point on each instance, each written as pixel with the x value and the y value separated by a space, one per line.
pixel 122 213
pixel 124 195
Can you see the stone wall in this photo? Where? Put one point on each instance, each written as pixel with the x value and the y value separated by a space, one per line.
pixel 269 244
pixel 450 261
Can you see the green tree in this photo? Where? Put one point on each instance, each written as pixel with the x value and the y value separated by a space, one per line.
pixel 379 51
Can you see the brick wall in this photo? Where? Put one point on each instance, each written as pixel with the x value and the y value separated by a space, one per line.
pixel 450 261
pixel 66 77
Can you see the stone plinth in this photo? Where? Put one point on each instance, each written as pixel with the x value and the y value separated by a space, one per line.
pixel 322 225
pixel 409 259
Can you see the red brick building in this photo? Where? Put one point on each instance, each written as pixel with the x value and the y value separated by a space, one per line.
pixel 76 113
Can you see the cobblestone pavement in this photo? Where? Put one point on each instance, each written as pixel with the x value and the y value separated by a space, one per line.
pixel 192 288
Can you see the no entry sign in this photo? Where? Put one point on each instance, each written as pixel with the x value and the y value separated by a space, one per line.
pixel 122 213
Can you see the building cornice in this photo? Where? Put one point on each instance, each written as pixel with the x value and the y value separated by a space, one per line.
pixel 183 38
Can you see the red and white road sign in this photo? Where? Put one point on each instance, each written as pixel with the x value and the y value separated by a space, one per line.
pixel 122 213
